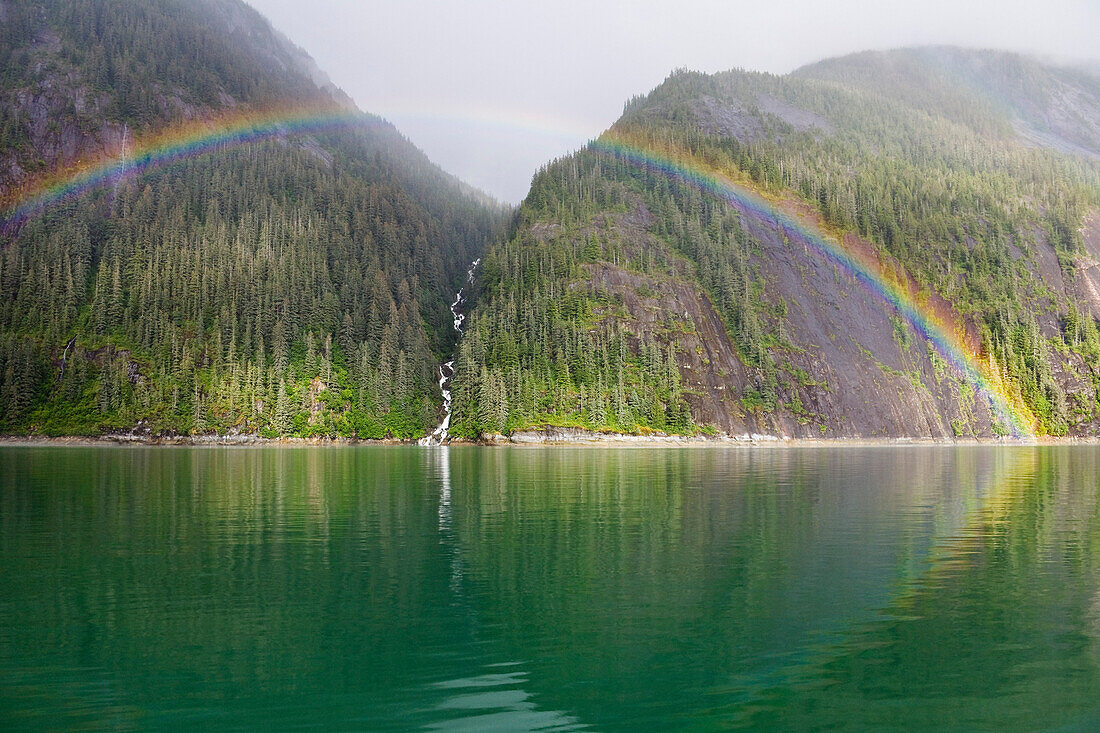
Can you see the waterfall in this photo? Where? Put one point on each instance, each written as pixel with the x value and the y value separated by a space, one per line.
pixel 447 368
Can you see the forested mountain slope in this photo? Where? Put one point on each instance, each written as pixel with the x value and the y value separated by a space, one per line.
pixel 888 244
pixel 294 284
pixel 1051 106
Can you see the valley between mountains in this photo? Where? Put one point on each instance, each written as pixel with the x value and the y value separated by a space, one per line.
pixel 900 244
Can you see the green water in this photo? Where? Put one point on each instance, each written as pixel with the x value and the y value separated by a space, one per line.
pixel 550 588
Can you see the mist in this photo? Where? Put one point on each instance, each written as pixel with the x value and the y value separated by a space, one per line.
pixel 493 90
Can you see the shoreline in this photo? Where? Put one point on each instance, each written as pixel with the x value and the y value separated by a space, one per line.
pixel 546 437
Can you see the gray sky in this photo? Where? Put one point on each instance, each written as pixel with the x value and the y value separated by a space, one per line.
pixel 491 90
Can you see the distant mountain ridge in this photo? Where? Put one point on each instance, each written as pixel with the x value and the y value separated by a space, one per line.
pixel 638 292
pixel 1052 106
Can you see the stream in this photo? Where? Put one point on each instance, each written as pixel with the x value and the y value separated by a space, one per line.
pixel 447 368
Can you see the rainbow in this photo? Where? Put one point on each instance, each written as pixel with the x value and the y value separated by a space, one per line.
pixel 570 133
pixel 180 142
pixel 888 284
pixel 236 128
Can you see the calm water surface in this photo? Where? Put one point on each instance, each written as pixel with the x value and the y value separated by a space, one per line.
pixel 550 588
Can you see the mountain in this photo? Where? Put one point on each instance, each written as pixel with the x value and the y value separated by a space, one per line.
pixel 1051 106
pixel 894 244
pixel 201 233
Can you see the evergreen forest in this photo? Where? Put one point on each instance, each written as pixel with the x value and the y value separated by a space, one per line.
pixel 289 287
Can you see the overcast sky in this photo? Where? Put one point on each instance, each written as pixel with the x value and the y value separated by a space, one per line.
pixel 492 90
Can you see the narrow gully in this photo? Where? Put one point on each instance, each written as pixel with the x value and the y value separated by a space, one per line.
pixel 447 368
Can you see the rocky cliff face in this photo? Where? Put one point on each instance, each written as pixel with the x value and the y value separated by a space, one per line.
pixel 856 371
pixel 972 177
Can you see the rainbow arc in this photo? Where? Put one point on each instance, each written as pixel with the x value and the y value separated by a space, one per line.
pixel 177 143
pixel 886 280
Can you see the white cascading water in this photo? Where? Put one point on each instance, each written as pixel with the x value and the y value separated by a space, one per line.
pixel 447 369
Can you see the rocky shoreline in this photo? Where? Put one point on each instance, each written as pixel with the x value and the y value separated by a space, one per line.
pixel 184 440
pixel 548 436
pixel 575 436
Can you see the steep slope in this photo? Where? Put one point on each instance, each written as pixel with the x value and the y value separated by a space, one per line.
pixel 1051 106
pixel 864 248
pixel 270 260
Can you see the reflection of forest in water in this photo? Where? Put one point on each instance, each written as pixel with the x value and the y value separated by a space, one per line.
pixel 696 587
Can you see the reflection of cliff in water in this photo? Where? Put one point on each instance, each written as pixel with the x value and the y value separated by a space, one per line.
pixel 606 587
pixel 995 628
pixel 749 563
